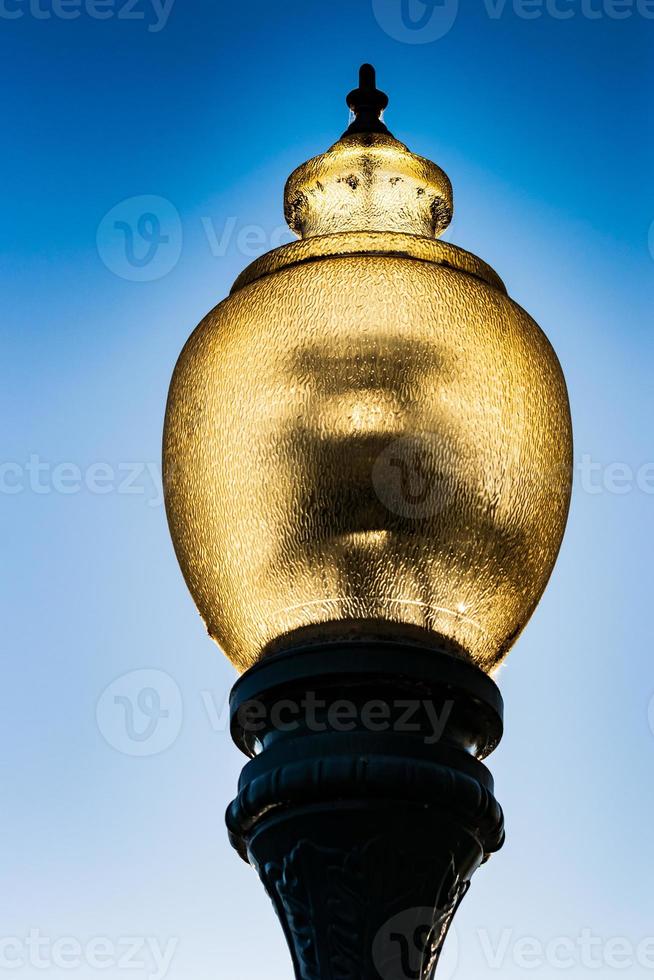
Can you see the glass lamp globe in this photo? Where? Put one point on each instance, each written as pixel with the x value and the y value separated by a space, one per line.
pixel 368 437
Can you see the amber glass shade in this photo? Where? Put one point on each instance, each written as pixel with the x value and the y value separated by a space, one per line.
pixel 367 434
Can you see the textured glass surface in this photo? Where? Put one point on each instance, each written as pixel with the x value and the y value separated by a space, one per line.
pixel 368 181
pixel 368 430
pixel 368 243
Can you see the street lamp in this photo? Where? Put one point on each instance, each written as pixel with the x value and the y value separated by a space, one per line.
pixel 367 461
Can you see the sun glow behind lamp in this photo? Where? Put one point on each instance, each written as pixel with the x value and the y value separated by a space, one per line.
pixel 367 460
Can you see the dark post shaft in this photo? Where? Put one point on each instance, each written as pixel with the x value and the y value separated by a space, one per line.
pixel 365 807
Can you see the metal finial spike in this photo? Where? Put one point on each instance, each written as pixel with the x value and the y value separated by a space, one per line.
pixel 367 103
pixel 367 77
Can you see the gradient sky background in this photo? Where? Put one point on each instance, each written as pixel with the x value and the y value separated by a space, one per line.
pixel 540 124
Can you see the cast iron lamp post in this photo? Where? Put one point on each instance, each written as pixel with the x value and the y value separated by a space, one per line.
pixel 367 457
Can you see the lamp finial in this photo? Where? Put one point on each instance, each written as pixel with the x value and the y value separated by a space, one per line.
pixel 367 103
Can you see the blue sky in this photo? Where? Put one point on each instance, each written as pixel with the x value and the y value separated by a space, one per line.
pixel 537 111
